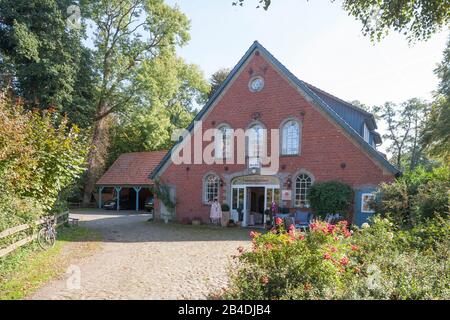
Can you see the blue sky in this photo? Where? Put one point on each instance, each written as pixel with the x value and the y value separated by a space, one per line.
pixel 318 42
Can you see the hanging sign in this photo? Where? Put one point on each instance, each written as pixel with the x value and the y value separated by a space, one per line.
pixel 286 195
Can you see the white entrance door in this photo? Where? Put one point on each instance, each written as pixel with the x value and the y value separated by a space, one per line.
pixel 240 198
pixel 238 201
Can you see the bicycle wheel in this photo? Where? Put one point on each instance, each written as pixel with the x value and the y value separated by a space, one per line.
pixel 46 238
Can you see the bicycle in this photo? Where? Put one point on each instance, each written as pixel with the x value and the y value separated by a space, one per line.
pixel 47 234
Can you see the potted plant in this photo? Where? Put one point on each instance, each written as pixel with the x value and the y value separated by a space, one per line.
pixel 225 215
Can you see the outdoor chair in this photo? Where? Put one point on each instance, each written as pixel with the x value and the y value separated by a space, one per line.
pixel 332 218
pixel 302 219
pixel 288 221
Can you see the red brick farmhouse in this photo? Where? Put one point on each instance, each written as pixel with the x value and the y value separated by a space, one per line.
pixel 321 138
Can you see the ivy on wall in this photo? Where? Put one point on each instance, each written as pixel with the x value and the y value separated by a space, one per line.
pixel 162 191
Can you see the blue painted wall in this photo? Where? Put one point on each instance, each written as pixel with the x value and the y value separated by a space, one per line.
pixel 359 216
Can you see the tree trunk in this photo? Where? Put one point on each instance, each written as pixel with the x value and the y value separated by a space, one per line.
pixel 96 157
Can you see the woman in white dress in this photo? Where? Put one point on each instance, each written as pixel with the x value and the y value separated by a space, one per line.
pixel 216 212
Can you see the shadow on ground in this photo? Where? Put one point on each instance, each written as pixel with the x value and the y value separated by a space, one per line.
pixel 129 227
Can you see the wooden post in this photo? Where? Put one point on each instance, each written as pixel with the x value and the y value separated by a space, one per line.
pixel 137 189
pixel 100 190
pixel 118 197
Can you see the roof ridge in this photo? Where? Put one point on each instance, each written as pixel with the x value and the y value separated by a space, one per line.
pixel 302 86
pixel 135 152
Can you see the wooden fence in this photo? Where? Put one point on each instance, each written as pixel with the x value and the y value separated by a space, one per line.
pixel 60 219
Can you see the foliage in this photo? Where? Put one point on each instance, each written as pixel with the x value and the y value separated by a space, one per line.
pixel 393 267
pixel 417 19
pixel 42 60
pixel 416 196
pixel 293 265
pixel 163 193
pixel 404 127
pixel 126 33
pixel 330 197
pixel 40 155
pixel 15 211
pixel 436 134
pixel 225 207
pixel 27 268
pixel 167 88
pixel 217 79
pixel 330 262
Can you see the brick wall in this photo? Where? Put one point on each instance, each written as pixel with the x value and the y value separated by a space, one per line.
pixel 324 146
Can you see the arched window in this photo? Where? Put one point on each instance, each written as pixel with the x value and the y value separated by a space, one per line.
pixel 256 145
pixel 302 185
pixel 223 142
pixel 290 138
pixel 211 188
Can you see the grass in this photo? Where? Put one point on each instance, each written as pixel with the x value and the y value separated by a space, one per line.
pixel 25 270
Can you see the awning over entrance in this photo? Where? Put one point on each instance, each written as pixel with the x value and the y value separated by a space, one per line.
pixel 251 195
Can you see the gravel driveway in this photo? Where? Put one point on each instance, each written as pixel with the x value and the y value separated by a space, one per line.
pixel 149 260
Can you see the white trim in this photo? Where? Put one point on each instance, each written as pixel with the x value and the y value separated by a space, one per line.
pixel 250 83
pixel 366 133
pixel 205 187
pixel 227 147
pixel 282 137
pixel 362 202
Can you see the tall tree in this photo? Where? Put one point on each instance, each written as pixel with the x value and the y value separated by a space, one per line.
pixel 417 19
pixel 42 60
pixel 168 91
pixel 436 134
pixel 217 78
pixel 126 33
pixel 404 126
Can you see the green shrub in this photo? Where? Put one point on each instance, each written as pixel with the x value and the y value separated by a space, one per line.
pixel 330 197
pixel 293 265
pixel 393 266
pixel 15 211
pixel 330 262
pixel 416 196
pixel 40 156
pixel 225 207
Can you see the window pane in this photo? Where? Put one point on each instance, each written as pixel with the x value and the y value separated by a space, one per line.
pixel 269 197
pixel 302 185
pixel 290 139
pixel 256 144
pixel 241 198
pixel 223 142
pixel 276 196
pixel 211 188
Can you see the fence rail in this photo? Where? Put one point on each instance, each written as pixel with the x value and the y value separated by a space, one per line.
pixel 29 238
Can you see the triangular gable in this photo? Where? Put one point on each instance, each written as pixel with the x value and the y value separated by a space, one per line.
pixel 304 89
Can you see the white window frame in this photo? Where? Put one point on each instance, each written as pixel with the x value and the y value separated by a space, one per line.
pixel 297 203
pixel 223 145
pixel 207 189
pixel 285 139
pixel 256 145
pixel 366 133
pixel 370 194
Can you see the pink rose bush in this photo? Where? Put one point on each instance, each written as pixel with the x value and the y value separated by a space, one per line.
pixel 333 262
pixel 289 263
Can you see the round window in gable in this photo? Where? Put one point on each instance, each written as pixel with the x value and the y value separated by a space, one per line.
pixel 256 84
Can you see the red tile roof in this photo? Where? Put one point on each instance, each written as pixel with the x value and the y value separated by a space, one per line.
pixel 132 169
